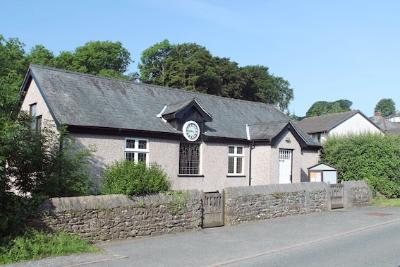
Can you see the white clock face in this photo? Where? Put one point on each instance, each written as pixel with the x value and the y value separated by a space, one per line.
pixel 191 130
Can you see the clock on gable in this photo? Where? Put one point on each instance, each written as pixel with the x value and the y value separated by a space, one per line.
pixel 191 131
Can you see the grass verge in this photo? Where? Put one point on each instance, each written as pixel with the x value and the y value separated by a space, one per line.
pixel 34 245
pixel 386 202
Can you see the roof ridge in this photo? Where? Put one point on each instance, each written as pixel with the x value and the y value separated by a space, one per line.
pixel 333 114
pixel 269 123
pixel 152 85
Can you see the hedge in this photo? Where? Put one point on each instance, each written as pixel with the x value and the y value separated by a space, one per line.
pixel 373 158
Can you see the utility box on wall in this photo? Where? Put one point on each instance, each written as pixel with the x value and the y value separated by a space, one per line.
pixel 322 173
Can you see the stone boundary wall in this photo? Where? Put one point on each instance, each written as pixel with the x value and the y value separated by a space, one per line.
pixel 269 201
pixel 356 194
pixel 109 217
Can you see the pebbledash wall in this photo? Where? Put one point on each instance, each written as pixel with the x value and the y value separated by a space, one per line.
pixel 265 161
pixel 102 218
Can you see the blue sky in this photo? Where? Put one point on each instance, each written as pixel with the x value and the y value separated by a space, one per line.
pixel 326 49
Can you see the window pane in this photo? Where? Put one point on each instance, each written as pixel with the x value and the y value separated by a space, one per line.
pixel 231 149
pixel 141 157
pixel 38 123
pixel 130 143
pixel 189 158
pixel 142 144
pixel 239 150
pixel 239 165
pixel 130 156
pixel 32 110
pixel 231 166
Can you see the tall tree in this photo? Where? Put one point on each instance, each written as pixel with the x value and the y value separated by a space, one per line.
pixel 40 55
pixel 13 65
pixel 192 67
pixel 153 63
pixel 264 87
pixel 96 57
pixel 386 107
pixel 325 107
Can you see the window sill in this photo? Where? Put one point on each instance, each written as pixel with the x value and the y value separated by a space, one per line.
pixel 236 175
pixel 191 175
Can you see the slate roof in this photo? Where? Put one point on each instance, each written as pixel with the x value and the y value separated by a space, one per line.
pixel 395 115
pixel 386 126
pixel 78 99
pixel 271 130
pixel 325 123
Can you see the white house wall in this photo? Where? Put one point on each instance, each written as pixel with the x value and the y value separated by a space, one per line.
pixel 357 124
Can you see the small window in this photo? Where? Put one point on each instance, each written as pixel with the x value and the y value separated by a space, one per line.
pixel 235 160
pixel 136 150
pixel 130 143
pixel 32 110
pixel 38 123
pixel 189 158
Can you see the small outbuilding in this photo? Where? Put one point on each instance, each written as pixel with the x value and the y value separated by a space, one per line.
pixel 322 172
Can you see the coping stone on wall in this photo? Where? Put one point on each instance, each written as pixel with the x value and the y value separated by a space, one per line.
pixel 267 189
pixel 62 204
pixel 85 203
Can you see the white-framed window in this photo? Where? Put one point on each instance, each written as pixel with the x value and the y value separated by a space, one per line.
pixel 137 150
pixel 235 160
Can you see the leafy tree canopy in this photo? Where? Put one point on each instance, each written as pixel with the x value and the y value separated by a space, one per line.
pixel 325 107
pixel 104 58
pixel 95 57
pixel 192 67
pixel 386 107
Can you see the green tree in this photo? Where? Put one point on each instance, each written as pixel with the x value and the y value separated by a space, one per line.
pixel 386 107
pixel 264 87
pixel 191 67
pixel 153 63
pixel 13 65
pixel 40 55
pixel 325 107
pixel 102 58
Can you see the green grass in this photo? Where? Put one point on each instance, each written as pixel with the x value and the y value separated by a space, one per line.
pixel 386 202
pixel 34 245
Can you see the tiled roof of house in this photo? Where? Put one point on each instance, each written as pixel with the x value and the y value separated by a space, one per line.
pixel 325 123
pixel 78 99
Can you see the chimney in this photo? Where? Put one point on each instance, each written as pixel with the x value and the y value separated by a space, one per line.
pixel 378 114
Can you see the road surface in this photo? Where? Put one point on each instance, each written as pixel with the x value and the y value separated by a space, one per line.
pixel 357 237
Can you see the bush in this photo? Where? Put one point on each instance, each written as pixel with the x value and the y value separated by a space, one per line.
pixel 373 158
pixel 14 212
pixel 126 177
pixel 34 245
pixel 38 164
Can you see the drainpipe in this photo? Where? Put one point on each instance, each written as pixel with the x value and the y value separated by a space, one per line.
pixel 251 148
